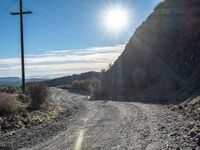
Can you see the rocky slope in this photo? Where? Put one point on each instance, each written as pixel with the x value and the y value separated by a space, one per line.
pixel 162 59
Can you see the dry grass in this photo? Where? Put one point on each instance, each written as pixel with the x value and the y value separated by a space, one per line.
pixel 8 104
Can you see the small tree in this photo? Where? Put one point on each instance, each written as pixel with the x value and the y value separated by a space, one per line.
pixel 76 84
pixel 39 94
pixel 103 70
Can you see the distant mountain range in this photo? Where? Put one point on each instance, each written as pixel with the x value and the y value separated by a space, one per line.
pixel 16 81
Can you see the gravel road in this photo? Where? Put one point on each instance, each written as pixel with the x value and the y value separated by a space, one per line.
pixel 107 125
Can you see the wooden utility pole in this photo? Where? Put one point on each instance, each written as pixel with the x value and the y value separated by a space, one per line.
pixel 21 13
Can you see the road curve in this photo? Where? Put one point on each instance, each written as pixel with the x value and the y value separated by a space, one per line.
pixel 110 125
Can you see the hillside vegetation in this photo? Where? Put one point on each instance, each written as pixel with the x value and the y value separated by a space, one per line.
pixel 67 80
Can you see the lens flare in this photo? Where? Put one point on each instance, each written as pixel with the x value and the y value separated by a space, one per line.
pixel 115 19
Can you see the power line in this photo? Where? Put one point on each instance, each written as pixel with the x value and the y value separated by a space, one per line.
pixel 7 9
pixel 52 18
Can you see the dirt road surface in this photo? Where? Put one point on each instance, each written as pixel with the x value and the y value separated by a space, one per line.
pixel 106 125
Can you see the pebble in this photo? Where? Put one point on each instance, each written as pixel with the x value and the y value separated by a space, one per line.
pixel 192 134
pixel 1 120
pixel 198 141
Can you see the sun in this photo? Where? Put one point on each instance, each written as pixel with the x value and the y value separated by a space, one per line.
pixel 115 19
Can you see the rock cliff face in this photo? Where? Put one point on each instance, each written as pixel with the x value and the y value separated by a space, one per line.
pixel 162 59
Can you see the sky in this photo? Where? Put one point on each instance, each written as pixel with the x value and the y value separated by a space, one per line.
pixel 64 37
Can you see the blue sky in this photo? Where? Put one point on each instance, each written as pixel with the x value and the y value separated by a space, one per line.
pixel 65 36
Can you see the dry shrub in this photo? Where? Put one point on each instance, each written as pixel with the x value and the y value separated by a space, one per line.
pixel 39 95
pixel 23 98
pixel 11 90
pixel 8 104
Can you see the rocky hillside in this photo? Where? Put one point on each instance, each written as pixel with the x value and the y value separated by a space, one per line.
pixel 162 59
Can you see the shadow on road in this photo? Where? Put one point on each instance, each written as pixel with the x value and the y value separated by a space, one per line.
pixel 170 100
pixel 81 92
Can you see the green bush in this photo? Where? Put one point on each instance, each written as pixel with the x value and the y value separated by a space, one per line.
pixel 39 95
pixel 76 84
pixel 67 86
pixel 8 104
pixel 88 84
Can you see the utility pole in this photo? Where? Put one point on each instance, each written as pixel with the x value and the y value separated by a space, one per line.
pixel 21 13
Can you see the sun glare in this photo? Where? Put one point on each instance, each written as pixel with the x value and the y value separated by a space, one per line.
pixel 115 19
